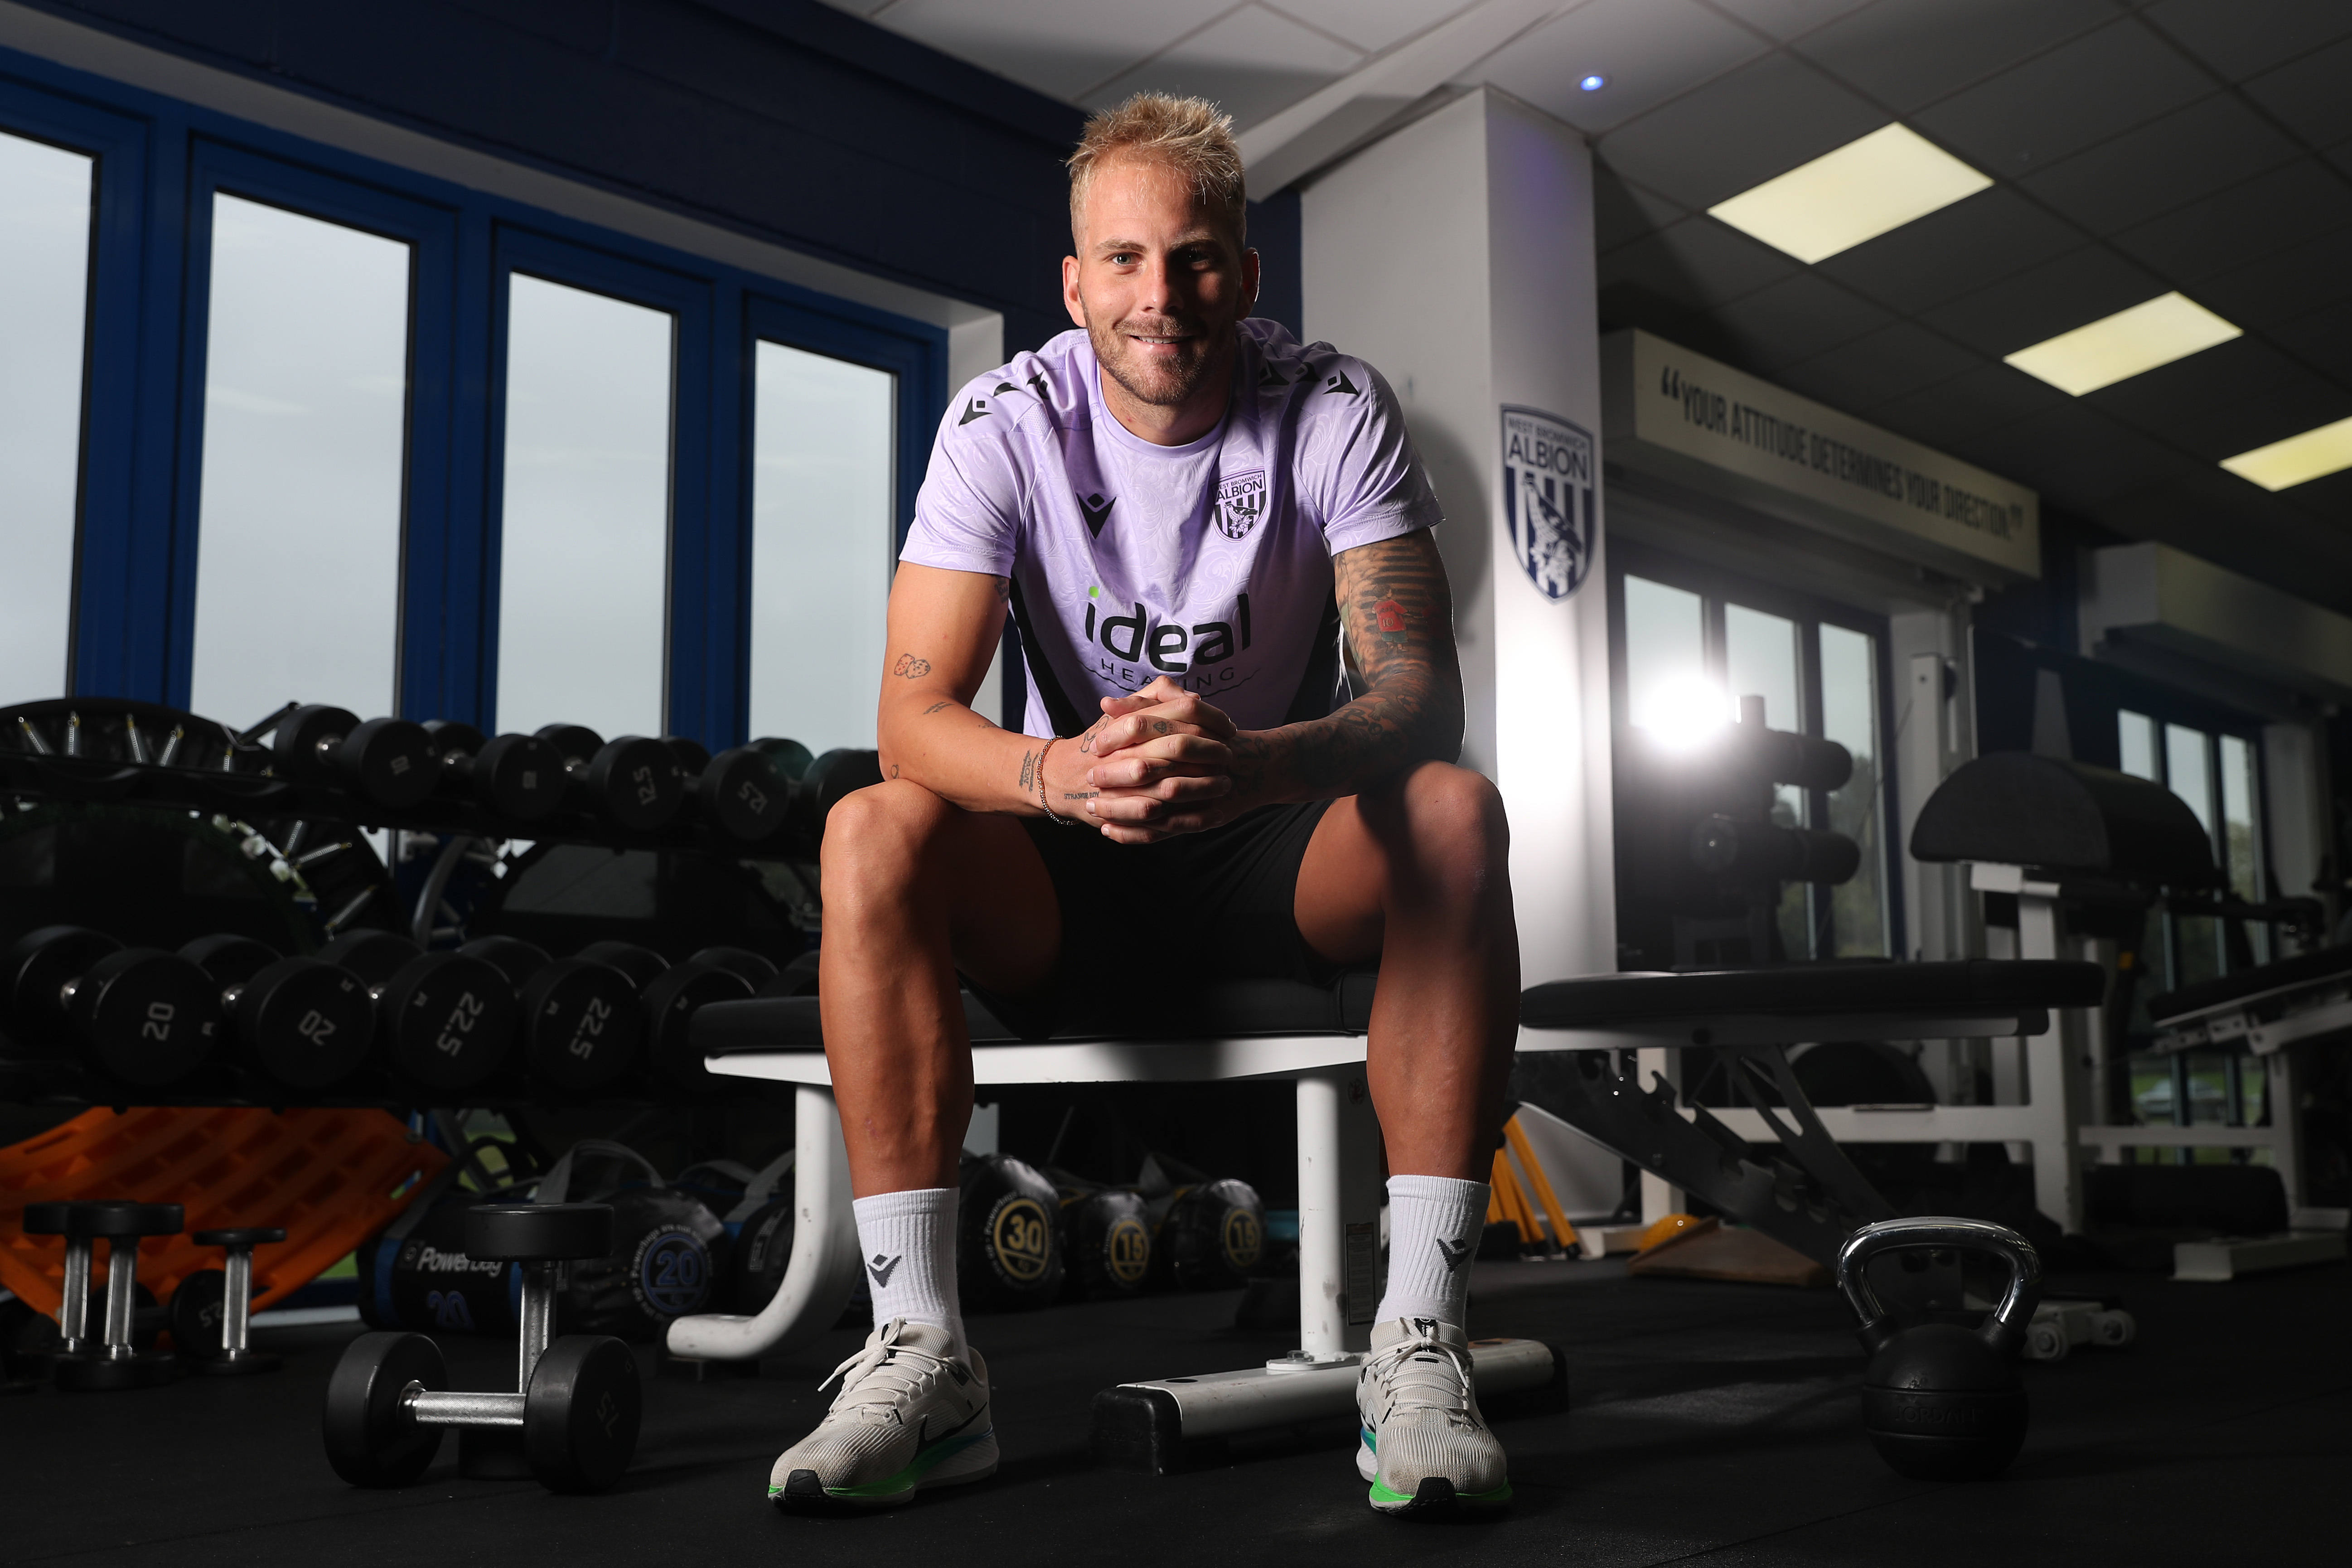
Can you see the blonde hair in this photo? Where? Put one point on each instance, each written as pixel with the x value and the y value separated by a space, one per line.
pixel 1188 136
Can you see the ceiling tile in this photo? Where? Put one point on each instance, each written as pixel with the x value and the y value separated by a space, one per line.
pixel 2289 284
pixel 1968 404
pixel 1861 374
pixel 1649 51
pixel 2239 38
pixel 2064 101
pixel 1786 19
pixel 2186 154
pixel 2072 454
pixel 1251 64
pixel 1953 250
pixel 1624 211
pixel 1371 25
pixel 2229 399
pixel 2322 338
pixel 2308 94
pixel 1906 53
pixel 2242 223
pixel 1060 48
pixel 2057 296
pixel 1698 263
pixel 1762 120
pixel 1790 321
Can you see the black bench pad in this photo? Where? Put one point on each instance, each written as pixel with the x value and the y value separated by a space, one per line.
pixel 1222 1009
pixel 1812 990
pixel 2304 967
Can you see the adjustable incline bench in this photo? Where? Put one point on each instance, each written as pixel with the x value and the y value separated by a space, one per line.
pixel 1229 1029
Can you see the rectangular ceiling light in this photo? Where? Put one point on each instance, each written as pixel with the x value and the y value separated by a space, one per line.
pixel 2298 458
pixel 1859 192
pixel 2166 328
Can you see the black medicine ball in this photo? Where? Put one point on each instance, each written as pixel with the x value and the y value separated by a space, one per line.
pixel 1006 1254
pixel 1106 1242
pixel 1210 1235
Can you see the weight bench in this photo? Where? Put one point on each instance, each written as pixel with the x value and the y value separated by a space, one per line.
pixel 1228 1030
pixel 1809 1196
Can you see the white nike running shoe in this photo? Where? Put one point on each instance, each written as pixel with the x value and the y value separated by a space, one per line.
pixel 909 1415
pixel 1426 1448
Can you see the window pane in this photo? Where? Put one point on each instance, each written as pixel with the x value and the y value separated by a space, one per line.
pixel 1665 659
pixel 1759 658
pixel 2240 840
pixel 306 397
pixel 821 545
pixel 1850 717
pixel 2187 771
pixel 2138 738
pixel 583 561
pixel 44 273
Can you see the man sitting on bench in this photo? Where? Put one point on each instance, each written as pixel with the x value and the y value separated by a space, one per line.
pixel 1183 510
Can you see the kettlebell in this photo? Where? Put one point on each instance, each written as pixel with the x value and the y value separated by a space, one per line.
pixel 1942 1402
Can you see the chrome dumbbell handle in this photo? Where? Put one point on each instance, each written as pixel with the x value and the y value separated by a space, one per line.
pixel 540 1282
pixel 449 1407
pixel 236 1301
pixel 122 1275
pixel 73 1312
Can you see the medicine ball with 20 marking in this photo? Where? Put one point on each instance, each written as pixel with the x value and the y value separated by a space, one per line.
pixel 669 1252
pixel 1006 1254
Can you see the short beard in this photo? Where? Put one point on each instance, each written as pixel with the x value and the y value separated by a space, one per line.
pixel 1160 387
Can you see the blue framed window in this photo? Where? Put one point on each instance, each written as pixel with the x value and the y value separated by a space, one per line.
pixel 319 458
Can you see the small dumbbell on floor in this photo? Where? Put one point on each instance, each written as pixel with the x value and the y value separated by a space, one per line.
pixel 576 1412
pixel 212 1311
pixel 108 1361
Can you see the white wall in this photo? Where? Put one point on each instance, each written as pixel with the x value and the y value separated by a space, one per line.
pixel 1456 256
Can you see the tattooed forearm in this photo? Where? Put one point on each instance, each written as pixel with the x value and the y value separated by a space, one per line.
pixel 1399 615
pixel 911 667
pixel 1028 771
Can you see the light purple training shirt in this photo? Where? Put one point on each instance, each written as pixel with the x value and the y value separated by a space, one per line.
pixel 1209 562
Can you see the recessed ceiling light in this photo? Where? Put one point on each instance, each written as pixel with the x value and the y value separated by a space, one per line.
pixel 2114 348
pixel 2297 458
pixel 1594 83
pixel 1859 192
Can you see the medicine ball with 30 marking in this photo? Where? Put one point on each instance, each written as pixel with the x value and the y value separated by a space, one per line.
pixel 1106 1241
pixel 1210 1235
pixel 1006 1255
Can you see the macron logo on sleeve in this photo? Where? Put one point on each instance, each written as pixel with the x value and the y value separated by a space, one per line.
pixel 977 409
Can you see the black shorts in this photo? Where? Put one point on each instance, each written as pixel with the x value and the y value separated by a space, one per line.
pixel 1219 904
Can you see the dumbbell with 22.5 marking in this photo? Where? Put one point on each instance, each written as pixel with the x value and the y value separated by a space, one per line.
pixel 445 1021
pixel 582 1030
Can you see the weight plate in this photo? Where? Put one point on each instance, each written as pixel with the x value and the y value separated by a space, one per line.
pixel 743 794
pixel 371 1440
pixel 303 747
pixel 145 1017
pixel 519 777
pixel 538 1233
pixel 581 1412
pixel 634 783
pixel 38 965
pixel 195 1316
pixel 692 755
pixel 447 1021
pixel 392 761
pixel 304 1024
pixel 582 1031
pixel 792 758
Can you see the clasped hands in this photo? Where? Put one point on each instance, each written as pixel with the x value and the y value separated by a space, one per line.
pixel 1155 764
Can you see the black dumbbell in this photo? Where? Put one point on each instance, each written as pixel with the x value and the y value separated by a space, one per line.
pixel 108 1360
pixel 393 763
pixel 520 778
pixel 444 1020
pixel 296 1021
pixel 136 1016
pixel 213 1309
pixel 741 792
pixel 671 994
pixel 582 1028
pixel 634 783
pixel 579 1405
pixel 826 780
pixel 755 970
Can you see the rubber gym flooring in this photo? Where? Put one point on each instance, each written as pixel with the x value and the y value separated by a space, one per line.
pixel 1709 1423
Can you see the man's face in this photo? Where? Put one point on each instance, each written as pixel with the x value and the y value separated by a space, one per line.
pixel 1158 283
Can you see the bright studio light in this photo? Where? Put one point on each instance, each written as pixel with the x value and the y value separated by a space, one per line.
pixel 1859 192
pixel 1684 712
pixel 2296 459
pixel 1594 83
pixel 2116 348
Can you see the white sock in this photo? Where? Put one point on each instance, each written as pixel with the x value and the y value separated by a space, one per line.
pixel 906 1243
pixel 1433 1225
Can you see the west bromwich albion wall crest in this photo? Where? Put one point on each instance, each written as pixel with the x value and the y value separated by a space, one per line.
pixel 1549 502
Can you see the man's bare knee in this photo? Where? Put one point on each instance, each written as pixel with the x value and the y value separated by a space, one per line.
pixel 881 836
pixel 1455 829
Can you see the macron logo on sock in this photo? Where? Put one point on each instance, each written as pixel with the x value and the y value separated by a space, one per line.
pixel 1453 1252
pixel 882 1269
